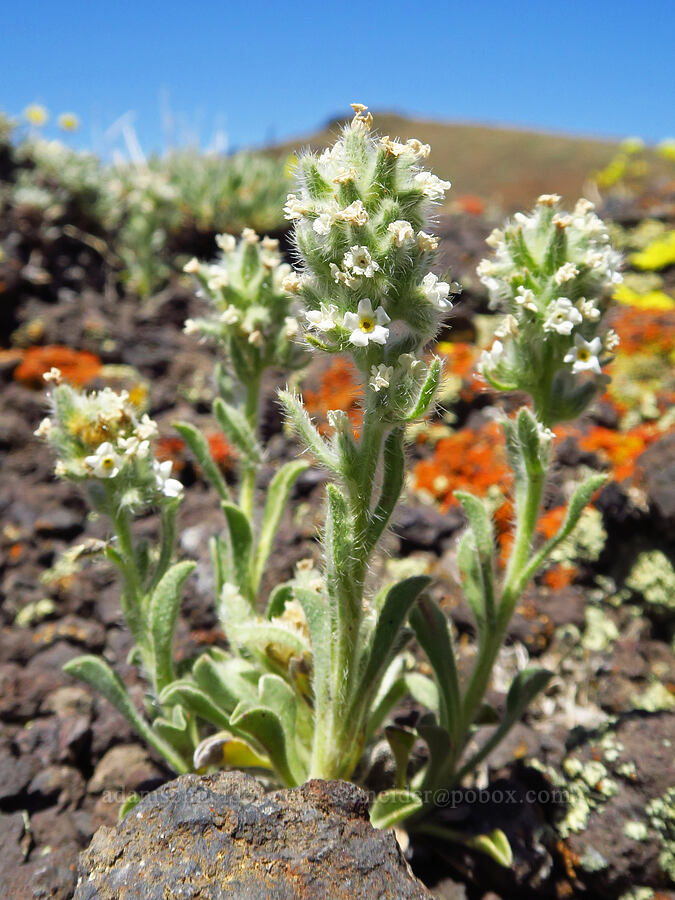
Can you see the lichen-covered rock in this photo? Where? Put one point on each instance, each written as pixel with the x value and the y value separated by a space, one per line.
pixel 219 836
pixel 619 820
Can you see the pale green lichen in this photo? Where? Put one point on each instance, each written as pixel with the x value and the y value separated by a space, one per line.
pixel 636 831
pixel 638 893
pixel 661 812
pixel 600 631
pixel 653 577
pixel 627 770
pixel 656 698
pixel 593 861
pixel 586 542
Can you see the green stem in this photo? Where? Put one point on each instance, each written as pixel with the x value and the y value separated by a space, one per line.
pixel 491 642
pixel 248 479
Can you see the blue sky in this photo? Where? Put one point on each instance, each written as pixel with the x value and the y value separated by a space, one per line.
pixel 258 71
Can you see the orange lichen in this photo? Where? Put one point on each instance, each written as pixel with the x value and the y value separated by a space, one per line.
pixel 77 367
pixel 222 453
pixel 338 388
pixel 560 576
pixel 471 204
pixel 619 450
pixel 473 460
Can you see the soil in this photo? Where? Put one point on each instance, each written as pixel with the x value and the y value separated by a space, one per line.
pixel 67 759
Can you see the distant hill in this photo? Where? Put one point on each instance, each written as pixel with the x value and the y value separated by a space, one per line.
pixel 506 166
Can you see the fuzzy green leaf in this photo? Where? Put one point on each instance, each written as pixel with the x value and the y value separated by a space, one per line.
pixel 316 445
pixel 529 440
pixel 385 636
pixel 241 542
pixel 277 495
pixel 432 631
pixel 427 391
pixel 495 845
pixel 238 432
pixel 392 807
pixel 393 474
pixel 200 447
pixel 279 597
pixel 471 577
pixel 97 673
pixel 164 606
pixel 481 526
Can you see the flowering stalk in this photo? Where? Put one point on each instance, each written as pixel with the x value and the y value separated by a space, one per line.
pixel 359 213
pixel 105 445
pixel 252 322
pixel 552 274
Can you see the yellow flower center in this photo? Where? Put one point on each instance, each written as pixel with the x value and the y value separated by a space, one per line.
pixel 583 355
pixel 108 462
pixel 367 324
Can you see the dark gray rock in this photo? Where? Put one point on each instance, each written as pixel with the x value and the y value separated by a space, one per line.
pixel 221 836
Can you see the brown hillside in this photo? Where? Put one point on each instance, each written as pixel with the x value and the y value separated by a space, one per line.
pixel 507 166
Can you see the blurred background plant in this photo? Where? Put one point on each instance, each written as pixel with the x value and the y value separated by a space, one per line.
pixel 139 215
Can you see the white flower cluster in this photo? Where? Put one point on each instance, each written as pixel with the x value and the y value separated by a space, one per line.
pixel 359 213
pixel 250 290
pixel 553 274
pixel 100 436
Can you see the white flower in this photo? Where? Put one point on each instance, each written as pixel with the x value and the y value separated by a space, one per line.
pixel 219 279
pixel 226 242
pixel 344 175
pixel 588 309
pixel 426 242
pixel 495 238
pixel 436 291
pixel 431 185
pixel 410 363
pixel 562 316
pixel 133 447
pixel 294 208
pixel 192 267
pixel 548 199
pixel 381 376
pixel 612 340
pixel 367 325
pixel 490 358
pixel 420 150
pixel 565 273
pixel 147 428
pixel 324 221
pixel 230 316
pixel 270 244
pixel 54 376
pixel 291 326
pixel 525 298
pixel 191 327
pixel 508 328
pixel 256 339
pixel 341 277
pixel 105 463
pixel 561 221
pixel 168 486
pixel 359 260
pixel 401 232
pixel 44 429
pixel 584 355
pixel 354 214
pixel 291 283
pixel 249 236
pixel 322 319
pixel 583 206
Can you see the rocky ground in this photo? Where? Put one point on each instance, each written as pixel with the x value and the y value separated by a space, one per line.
pixel 603 735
